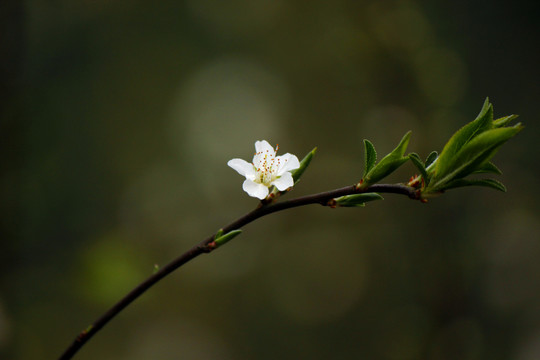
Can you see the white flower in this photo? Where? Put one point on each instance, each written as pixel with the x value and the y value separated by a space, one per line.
pixel 266 170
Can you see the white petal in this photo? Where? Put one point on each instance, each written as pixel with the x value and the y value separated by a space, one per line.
pixel 287 162
pixel 264 153
pixel 264 147
pixel 257 160
pixel 284 182
pixel 254 189
pixel 243 168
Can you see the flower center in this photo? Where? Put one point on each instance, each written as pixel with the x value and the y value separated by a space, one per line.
pixel 267 166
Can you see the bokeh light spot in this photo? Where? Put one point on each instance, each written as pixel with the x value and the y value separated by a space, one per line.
pixel 109 269
pixel 219 114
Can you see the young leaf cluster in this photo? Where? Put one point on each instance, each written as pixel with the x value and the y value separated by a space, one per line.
pixel 375 172
pixel 469 151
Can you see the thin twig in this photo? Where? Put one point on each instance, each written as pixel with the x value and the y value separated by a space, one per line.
pixel 202 247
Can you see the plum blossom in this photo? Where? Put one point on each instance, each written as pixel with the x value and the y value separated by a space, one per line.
pixel 266 170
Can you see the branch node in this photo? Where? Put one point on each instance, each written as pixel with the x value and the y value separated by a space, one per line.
pixel 208 247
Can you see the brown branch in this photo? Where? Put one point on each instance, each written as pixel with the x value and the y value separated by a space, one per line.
pixel 202 247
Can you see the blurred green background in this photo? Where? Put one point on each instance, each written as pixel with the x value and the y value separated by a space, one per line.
pixel 118 118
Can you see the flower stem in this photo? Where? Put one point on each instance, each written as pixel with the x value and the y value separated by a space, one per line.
pixel 202 247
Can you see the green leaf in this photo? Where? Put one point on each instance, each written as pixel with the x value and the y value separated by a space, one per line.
pixel 226 238
pixel 419 164
pixel 304 163
pixel 473 155
pixel 491 183
pixel 488 167
pixel 218 234
pixel 370 156
pixel 388 164
pixel 431 158
pixel 357 200
pixel 503 121
pixel 469 151
pixel 483 122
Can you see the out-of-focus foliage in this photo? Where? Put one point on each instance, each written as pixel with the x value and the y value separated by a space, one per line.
pixel 118 118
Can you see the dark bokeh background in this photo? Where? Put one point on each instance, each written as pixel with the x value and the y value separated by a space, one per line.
pixel 118 118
